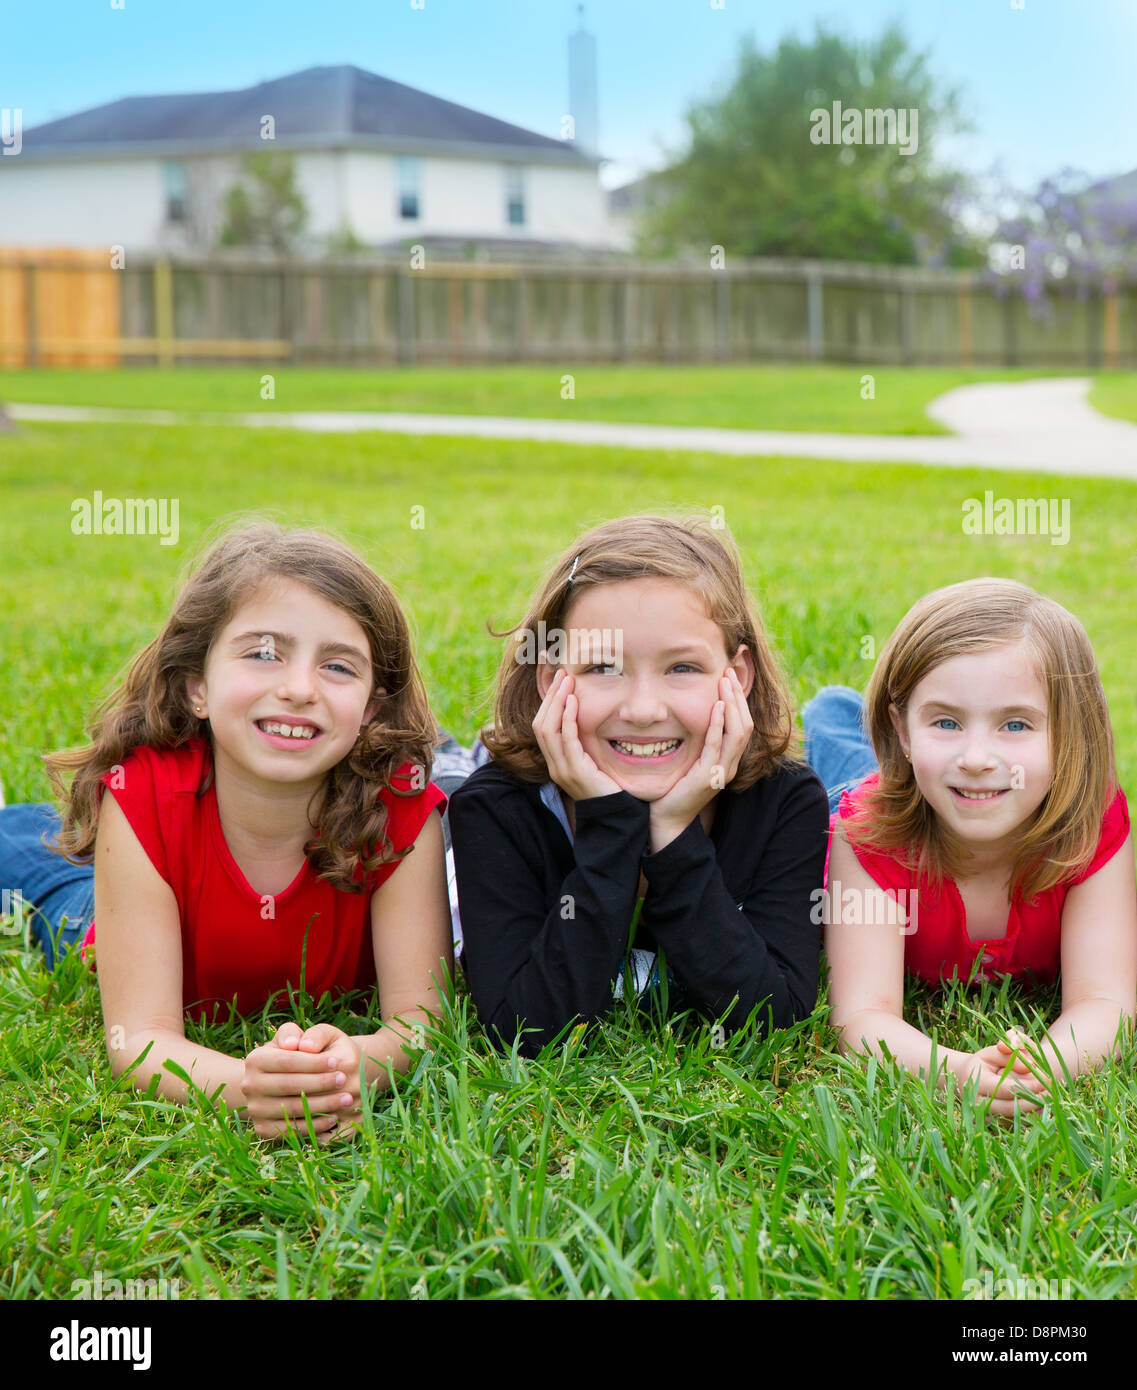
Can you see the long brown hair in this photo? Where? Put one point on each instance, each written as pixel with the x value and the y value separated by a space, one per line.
pixel 687 549
pixel 979 615
pixel 151 705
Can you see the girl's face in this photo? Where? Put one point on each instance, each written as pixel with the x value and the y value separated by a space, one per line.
pixel 977 733
pixel 293 661
pixel 673 657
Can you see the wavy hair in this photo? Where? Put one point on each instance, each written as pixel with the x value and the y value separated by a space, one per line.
pixel 151 705
pixel 686 549
pixel 974 616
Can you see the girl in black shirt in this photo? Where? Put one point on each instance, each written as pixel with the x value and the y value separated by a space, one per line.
pixel 640 813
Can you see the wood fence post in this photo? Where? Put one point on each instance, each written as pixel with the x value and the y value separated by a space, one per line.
pixel 1010 333
pixel 815 313
pixel 1095 328
pixel 377 315
pixel 455 312
pixel 164 312
pixel 907 323
pixel 406 306
pixel 723 346
pixel 1111 330
pixel 964 332
pixel 520 317
pixel 31 314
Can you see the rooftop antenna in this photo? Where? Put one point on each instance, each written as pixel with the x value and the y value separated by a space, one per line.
pixel 582 88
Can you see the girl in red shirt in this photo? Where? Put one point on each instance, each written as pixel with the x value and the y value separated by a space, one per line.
pixel 267 759
pixel 995 840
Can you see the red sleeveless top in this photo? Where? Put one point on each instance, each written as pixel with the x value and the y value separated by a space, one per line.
pixel 939 947
pixel 237 943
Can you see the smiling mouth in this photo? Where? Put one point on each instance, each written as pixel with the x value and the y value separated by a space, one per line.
pixel 284 735
pixel 979 796
pixel 661 748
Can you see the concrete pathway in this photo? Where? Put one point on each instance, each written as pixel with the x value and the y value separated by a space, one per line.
pixel 1046 426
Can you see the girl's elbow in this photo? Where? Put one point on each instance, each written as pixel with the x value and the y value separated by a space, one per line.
pixel 123 1056
pixel 854 1037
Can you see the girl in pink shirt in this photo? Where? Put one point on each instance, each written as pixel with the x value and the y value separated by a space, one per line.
pixel 994 840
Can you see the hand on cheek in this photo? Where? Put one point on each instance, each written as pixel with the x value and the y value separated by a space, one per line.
pixel 558 737
pixel 728 735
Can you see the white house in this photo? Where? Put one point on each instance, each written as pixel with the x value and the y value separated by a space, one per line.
pixel 392 164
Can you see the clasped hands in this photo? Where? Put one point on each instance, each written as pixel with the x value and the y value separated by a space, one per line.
pixel 319 1064
pixel 1010 1072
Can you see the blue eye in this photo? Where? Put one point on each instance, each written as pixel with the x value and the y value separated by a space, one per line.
pixel 1020 722
pixel 684 665
pixel 938 723
pixel 338 665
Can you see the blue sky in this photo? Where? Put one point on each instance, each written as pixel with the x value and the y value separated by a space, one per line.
pixel 1048 85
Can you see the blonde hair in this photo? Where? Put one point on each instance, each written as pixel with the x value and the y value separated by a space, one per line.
pixel 686 549
pixel 151 705
pixel 979 615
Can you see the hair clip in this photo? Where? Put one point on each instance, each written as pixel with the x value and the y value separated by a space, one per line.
pixel 573 570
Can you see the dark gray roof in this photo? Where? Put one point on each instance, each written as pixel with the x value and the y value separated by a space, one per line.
pixel 316 108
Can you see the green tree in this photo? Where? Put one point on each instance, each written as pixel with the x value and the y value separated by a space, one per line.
pixel 344 242
pixel 756 180
pixel 265 208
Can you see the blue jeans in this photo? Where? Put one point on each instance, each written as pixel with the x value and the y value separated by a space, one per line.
pixel 836 745
pixel 62 893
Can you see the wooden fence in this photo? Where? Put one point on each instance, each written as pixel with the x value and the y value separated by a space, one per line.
pixel 58 307
pixel 61 308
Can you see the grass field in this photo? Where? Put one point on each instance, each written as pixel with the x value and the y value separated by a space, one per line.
pixel 734 397
pixel 1115 393
pixel 648 1164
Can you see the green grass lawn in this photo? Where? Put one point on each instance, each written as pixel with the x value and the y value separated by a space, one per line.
pixel 648 1164
pixel 1115 393
pixel 735 397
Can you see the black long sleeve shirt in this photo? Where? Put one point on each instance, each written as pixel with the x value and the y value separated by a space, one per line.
pixel 546 919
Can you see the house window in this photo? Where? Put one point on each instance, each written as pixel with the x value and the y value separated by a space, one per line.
pixel 177 192
pixel 407 178
pixel 514 195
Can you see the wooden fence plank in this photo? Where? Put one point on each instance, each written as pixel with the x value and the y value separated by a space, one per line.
pixel 164 312
pixel 1111 330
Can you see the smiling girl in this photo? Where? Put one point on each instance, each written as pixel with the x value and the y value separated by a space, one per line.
pixel 639 774
pixel 997 816
pixel 268 826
